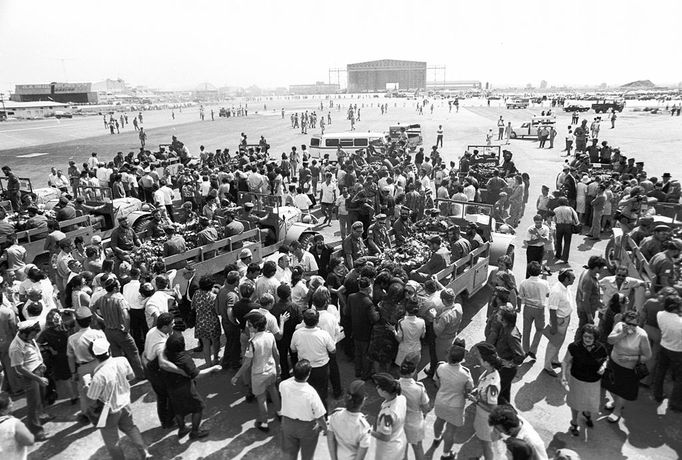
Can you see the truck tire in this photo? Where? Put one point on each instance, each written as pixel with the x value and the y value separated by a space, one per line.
pixel 610 256
pixel 142 224
pixel 306 240
pixel 513 135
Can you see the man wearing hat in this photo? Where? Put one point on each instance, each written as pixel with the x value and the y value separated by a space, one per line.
pixel 663 264
pixel 110 390
pixel 123 240
pixel 377 236
pixel 652 245
pixel 643 230
pixel 353 246
pixel 440 259
pixel 245 258
pixel 27 361
pixel 81 360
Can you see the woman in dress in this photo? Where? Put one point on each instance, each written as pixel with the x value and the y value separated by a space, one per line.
pixel 409 333
pixel 485 396
pixel 75 295
pixel 389 429
pixel 14 436
pixel 261 360
pixel 182 389
pixel 582 369
pixel 418 405
pixel 299 289
pixel 630 347
pixel 207 328
pixel 454 383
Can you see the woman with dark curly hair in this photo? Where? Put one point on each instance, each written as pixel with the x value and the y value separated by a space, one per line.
pixel 207 328
pixel 504 277
pixel 582 369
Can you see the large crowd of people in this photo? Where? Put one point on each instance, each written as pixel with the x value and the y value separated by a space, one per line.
pixel 98 317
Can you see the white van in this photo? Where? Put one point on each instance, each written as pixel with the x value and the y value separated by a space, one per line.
pixel 529 129
pixel 321 144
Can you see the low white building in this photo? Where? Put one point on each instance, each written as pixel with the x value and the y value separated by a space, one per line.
pixel 32 110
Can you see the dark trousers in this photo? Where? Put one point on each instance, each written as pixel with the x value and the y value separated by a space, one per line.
pixel 672 360
pixel 122 344
pixel 319 379
pixel 562 241
pixel 500 133
pixel 163 405
pixel 138 327
pixel 232 354
pixel 347 342
pixel 363 365
pixel 283 349
pixel 430 338
pixel 534 253
pixel 169 211
pixel 582 320
pixel 439 141
pixel 298 436
pixel 507 375
pixel 335 376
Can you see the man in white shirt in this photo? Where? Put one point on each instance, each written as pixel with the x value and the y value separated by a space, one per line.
pixel 670 354
pixel 93 162
pixel 138 322
pixel 302 201
pixel 620 283
pixel 533 294
pixel 536 238
pixel 154 345
pixel 328 194
pixel 168 196
pixel 302 413
pixel 561 304
pixel 158 302
pixel 303 259
pixel 315 345
pixel 506 421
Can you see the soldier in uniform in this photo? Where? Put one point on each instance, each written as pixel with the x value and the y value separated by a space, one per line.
pixel 377 236
pixel 403 227
pixel 353 246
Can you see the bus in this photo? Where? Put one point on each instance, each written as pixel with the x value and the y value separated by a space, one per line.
pixel 321 144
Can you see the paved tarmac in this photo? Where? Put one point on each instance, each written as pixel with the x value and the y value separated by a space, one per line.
pixel 645 432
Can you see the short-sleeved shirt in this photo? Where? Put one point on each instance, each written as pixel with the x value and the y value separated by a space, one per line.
pixel 329 192
pixel 661 265
pixel 260 351
pixel 25 354
pixel 534 292
pixel 313 344
pixel 454 383
pixel 307 262
pixel 391 423
pixel 561 300
pixel 155 305
pixel 78 345
pixel 351 431
pixel 154 344
pixel 415 394
pixel 300 401
pixel 110 383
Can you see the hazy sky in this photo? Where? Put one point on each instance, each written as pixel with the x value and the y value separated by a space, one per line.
pixel 179 44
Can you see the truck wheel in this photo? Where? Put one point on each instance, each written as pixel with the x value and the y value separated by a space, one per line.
pixel 513 135
pixel 610 256
pixel 142 224
pixel 306 240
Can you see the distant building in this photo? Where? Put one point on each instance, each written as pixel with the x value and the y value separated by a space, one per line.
pixel 377 76
pixel 318 88
pixel 31 110
pixel 76 93
pixel 205 92
pixel 459 85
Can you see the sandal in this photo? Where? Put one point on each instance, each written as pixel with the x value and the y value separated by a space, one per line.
pixel 613 418
pixel 588 420
pixel 574 429
pixel 609 405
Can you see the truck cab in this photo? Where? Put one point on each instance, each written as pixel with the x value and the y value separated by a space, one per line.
pixel 608 105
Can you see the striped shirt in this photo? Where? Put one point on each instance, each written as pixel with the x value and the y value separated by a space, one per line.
pixel 113 308
pixel 110 383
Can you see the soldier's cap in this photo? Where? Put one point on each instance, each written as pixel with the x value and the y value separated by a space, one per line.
pixel 661 228
pixel 80 199
pixel 63 200
pixel 83 312
pixel 678 243
pixel 246 252
pixel 248 205
pixel 455 229
pixel 96 239
pixel 357 224
pixel 357 388
pixel 28 324
pixel 380 217
pixel 386 382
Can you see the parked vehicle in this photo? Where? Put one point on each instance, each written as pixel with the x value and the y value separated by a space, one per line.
pixel 328 143
pixel 529 129
pixel 517 104
pixel 608 105
pixel 576 108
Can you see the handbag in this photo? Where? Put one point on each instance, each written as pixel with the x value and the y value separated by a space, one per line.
pixel 608 377
pixel 641 370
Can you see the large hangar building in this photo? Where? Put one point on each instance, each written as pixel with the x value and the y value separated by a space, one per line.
pixel 378 76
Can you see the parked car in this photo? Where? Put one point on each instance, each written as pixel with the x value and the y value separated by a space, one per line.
pixel 517 104
pixel 576 108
